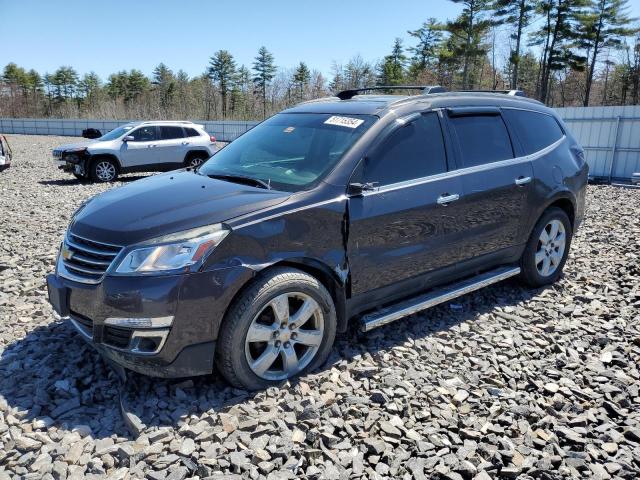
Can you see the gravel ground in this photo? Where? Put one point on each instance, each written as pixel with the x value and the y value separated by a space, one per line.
pixel 506 382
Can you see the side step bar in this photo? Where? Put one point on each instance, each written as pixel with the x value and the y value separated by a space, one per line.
pixel 408 307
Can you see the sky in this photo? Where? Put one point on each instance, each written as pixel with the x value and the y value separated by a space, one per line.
pixel 105 36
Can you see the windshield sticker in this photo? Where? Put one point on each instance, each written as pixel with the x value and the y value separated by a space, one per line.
pixel 344 121
pixel 289 129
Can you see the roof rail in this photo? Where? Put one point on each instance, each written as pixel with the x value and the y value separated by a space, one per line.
pixel 186 122
pixel 513 93
pixel 426 89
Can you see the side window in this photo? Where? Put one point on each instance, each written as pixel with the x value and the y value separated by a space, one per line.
pixel 534 130
pixel 144 134
pixel 482 139
pixel 191 132
pixel 413 151
pixel 170 132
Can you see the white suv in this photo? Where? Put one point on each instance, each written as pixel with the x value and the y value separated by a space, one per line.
pixel 137 147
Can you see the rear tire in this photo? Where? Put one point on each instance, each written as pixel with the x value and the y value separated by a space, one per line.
pixel 547 249
pixel 260 344
pixel 103 170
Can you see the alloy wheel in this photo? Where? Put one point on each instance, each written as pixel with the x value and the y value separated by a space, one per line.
pixel 285 336
pixel 105 171
pixel 196 162
pixel 551 247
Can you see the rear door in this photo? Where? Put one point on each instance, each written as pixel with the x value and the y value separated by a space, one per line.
pixel 142 149
pixel 496 184
pixel 408 224
pixel 172 145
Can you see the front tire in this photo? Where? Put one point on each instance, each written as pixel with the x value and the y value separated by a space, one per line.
pixel 195 160
pixel 281 327
pixel 547 249
pixel 103 170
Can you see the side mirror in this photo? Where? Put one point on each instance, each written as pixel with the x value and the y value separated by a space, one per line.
pixel 357 189
pixel 129 138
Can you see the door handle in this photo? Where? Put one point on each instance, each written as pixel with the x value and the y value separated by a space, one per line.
pixel 185 143
pixel 522 180
pixel 445 199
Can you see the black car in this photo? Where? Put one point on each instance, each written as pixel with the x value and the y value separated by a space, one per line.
pixel 362 208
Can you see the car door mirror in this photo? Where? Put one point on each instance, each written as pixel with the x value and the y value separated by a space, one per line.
pixel 129 138
pixel 356 189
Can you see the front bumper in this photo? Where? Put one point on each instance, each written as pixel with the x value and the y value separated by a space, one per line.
pixel 197 303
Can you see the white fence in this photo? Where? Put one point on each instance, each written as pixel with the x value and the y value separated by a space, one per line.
pixel 225 131
pixel 609 135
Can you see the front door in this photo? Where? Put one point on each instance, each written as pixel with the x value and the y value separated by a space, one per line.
pixel 408 224
pixel 141 150
pixel 496 185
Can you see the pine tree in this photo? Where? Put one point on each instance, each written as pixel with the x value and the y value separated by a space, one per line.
pixel 425 52
pixel 301 78
pixel 165 84
pixel 222 70
pixel 392 69
pixel 603 25
pixel 517 14
pixel 265 69
pixel 137 85
pixel 557 37
pixel 89 87
pixel 468 30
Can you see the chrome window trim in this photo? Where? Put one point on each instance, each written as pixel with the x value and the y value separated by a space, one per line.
pixel 466 171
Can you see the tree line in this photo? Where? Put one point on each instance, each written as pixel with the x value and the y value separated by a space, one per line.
pixel 562 52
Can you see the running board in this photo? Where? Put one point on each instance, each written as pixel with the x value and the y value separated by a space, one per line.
pixel 408 307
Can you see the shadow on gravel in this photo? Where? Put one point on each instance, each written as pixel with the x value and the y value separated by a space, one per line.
pixel 54 378
pixel 75 181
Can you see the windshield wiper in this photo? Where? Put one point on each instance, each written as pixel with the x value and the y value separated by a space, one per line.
pixel 256 182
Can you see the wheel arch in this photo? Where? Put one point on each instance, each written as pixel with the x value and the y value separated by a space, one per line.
pixel 194 152
pixel 110 156
pixel 317 269
pixel 564 200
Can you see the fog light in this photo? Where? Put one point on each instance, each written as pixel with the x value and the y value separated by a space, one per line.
pixel 148 322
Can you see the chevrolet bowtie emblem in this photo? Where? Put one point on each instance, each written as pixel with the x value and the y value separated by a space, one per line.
pixel 66 253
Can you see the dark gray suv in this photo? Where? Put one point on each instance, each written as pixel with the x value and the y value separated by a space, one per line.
pixel 356 208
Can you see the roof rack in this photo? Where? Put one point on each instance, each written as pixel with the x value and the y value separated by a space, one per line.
pixel 426 89
pixel 513 93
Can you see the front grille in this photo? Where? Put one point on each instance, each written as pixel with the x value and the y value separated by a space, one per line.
pixel 86 259
pixel 116 337
pixel 84 323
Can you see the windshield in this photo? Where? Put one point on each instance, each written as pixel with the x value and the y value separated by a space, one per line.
pixel 290 151
pixel 116 133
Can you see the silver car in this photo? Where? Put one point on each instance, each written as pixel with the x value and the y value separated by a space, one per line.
pixel 137 147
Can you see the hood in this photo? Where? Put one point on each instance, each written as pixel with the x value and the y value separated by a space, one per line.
pixel 167 203
pixel 69 146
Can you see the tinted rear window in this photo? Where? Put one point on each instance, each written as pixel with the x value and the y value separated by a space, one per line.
pixel 169 132
pixel 534 130
pixel 482 139
pixel 191 132
pixel 413 151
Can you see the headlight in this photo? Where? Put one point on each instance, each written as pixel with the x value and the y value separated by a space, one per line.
pixel 177 251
